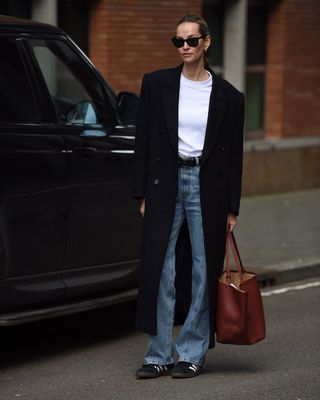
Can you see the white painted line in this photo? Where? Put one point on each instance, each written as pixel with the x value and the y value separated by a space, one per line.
pixel 288 288
pixel 122 151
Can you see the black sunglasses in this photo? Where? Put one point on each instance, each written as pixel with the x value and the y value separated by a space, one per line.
pixel 192 42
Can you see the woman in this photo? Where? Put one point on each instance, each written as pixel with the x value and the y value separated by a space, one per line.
pixel 188 165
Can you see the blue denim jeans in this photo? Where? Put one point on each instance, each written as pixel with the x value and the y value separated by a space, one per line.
pixel 193 339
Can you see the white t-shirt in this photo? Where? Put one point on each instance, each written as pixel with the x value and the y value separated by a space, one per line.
pixel 193 108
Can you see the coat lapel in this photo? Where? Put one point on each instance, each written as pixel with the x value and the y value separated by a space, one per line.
pixel 170 96
pixel 217 105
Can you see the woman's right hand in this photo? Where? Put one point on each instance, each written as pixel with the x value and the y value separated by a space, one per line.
pixel 142 207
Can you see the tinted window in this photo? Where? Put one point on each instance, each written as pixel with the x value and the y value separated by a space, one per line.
pixel 76 92
pixel 16 99
pixel 73 18
pixel 256 35
pixel 214 15
pixel 256 70
pixel 16 8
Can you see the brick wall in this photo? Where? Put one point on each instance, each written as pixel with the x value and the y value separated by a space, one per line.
pixel 293 73
pixel 131 37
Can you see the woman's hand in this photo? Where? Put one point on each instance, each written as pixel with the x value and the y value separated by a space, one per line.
pixel 142 207
pixel 231 222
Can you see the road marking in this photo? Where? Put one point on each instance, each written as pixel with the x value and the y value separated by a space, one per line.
pixel 288 288
pixel 122 151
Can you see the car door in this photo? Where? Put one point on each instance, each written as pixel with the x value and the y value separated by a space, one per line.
pixel 33 191
pixel 104 225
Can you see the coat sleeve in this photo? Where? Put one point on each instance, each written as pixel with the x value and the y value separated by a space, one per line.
pixel 141 141
pixel 236 159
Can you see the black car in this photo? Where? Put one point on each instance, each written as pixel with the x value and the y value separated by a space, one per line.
pixel 69 230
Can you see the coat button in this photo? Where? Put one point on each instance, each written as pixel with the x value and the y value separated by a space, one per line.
pixel 158 158
pixel 219 173
pixel 156 181
pixel 222 148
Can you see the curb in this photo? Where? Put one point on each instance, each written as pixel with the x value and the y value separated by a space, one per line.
pixel 288 271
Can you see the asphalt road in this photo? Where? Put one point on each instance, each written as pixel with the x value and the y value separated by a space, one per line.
pixel 93 356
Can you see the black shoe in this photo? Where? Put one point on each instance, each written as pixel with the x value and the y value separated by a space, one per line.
pixel 154 370
pixel 185 369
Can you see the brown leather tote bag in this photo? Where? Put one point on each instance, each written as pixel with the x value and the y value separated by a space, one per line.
pixel 240 316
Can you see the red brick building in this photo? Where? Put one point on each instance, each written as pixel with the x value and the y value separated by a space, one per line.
pixel 268 49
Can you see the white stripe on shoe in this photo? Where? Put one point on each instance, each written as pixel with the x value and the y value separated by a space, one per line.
pixel 161 368
pixel 194 367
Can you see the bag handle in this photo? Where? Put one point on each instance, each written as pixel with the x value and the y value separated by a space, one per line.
pixel 231 243
pixel 236 252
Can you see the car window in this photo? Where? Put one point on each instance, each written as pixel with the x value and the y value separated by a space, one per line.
pixel 16 99
pixel 76 92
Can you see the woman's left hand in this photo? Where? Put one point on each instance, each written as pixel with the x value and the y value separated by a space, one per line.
pixel 231 222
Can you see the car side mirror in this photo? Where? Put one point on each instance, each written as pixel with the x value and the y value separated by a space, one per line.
pixel 127 104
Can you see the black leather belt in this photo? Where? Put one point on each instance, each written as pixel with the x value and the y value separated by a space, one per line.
pixel 189 161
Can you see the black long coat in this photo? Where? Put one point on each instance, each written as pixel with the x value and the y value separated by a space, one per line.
pixel 156 179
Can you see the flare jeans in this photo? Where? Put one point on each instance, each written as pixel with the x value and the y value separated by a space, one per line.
pixel 192 342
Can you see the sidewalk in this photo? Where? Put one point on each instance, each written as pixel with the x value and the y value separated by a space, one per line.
pixel 279 236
